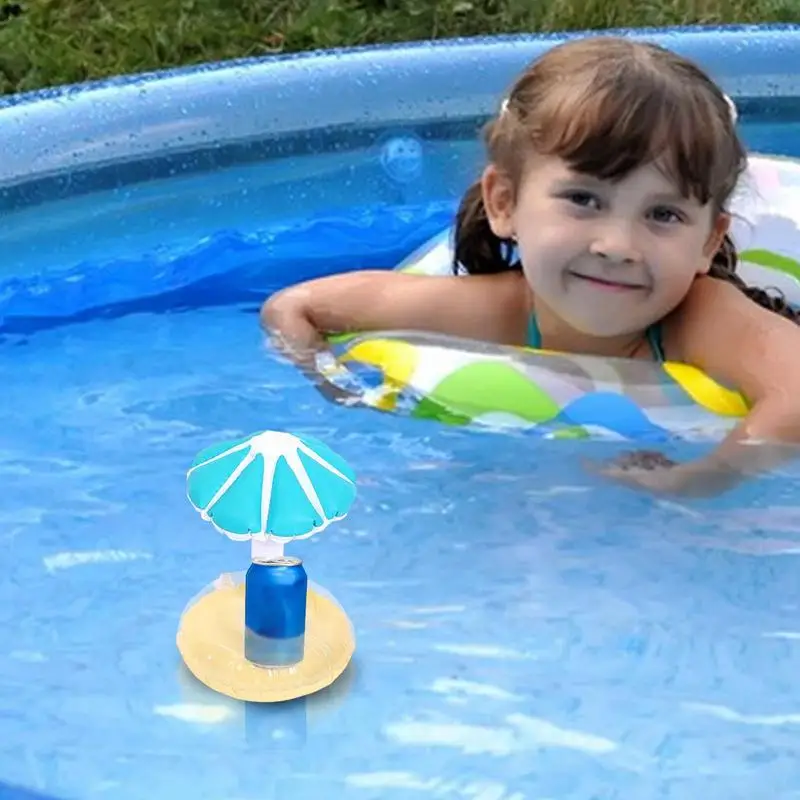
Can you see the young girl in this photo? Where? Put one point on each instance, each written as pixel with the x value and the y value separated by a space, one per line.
pixel 611 165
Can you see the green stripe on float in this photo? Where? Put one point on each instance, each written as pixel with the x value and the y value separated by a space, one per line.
pixel 486 387
pixel 766 258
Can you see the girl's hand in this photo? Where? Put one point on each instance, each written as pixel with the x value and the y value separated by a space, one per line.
pixel 655 472
pixel 311 355
pixel 334 382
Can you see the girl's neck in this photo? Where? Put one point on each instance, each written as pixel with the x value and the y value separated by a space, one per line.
pixel 558 335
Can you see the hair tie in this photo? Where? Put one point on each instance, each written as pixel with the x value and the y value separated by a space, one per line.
pixel 732 108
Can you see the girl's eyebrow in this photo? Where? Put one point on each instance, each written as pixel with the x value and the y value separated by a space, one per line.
pixel 571 178
pixel 577 178
pixel 563 184
pixel 674 198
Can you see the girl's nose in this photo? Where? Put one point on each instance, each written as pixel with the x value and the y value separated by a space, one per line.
pixel 616 243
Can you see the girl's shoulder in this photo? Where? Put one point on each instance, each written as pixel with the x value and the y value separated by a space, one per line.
pixel 492 308
pixel 682 328
pixel 719 329
pixel 709 303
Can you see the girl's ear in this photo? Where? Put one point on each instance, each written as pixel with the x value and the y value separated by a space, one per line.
pixel 716 237
pixel 498 200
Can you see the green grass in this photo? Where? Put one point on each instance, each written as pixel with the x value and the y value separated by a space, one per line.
pixel 66 41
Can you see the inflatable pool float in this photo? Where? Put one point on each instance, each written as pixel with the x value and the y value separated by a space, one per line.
pixel 560 395
pixel 212 645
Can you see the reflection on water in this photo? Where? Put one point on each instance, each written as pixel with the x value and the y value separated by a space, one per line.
pixel 278 725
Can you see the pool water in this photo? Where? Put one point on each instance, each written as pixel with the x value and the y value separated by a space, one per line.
pixel 524 629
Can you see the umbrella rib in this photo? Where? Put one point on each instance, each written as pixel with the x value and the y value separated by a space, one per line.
pixel 266 490
pixel 231 479
pixel 217 457
pixel 293 459
pixel 321 461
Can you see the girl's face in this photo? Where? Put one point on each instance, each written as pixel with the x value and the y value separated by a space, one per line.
pixel 606 258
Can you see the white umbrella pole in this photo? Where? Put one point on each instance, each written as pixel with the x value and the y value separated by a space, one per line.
pixel 265 549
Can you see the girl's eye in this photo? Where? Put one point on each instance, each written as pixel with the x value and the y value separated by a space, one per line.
pixel 582 199
pixel 666 216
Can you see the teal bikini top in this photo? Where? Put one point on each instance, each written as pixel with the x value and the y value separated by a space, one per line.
pixel 653 333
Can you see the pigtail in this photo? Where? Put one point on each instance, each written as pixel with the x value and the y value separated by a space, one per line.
pixel 723 267
pixel 477 248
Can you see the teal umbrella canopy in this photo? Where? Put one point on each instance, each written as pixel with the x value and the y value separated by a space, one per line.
pixel 273 485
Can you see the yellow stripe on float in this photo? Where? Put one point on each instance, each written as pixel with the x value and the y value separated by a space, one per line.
pixel 398 360
pixel 705 391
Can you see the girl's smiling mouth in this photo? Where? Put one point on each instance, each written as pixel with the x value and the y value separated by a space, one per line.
pixel 605 283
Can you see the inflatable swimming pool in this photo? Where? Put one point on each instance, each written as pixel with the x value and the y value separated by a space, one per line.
pixel 523 630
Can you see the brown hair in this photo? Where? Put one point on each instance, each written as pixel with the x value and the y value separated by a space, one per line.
pixel 608 105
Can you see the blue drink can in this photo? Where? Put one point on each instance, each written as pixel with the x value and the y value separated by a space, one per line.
pixel 275 612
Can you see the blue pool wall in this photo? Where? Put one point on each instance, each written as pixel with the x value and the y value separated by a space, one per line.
pixel 73 127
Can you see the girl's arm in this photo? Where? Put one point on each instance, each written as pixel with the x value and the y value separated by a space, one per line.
pixel 721 331
pixel 486 307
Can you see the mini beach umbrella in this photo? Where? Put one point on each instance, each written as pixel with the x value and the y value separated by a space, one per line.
pixel 271 488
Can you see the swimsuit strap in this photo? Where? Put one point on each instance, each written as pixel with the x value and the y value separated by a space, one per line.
pixel 534 336
pixel 654 338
